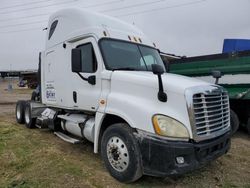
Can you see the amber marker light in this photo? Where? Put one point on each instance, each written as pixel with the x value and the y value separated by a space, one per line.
pixel 135 39
pixel 156 125
pixel 102 102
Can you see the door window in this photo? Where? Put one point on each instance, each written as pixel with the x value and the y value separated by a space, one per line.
pixel 89 63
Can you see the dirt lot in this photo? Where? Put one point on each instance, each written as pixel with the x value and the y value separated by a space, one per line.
pixel 37 158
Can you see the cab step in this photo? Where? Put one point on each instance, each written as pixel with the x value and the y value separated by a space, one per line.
pixel 67 138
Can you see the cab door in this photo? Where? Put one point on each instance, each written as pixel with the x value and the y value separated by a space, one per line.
pixel 86 84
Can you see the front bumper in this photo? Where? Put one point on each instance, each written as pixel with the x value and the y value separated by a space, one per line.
pixel 159 155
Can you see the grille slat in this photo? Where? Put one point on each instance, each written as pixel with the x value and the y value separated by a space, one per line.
pixel 212 120
pixel 211 125
pixel 211 112
pixel 211 116
pixel 210 102
pixel 208 97
pixel 214 106
pixel 211 130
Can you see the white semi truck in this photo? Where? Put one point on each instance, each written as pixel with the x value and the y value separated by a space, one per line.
pixel 103 80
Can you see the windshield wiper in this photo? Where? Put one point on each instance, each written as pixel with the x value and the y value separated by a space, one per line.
pixel 125 68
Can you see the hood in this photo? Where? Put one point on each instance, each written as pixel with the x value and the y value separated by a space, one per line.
pixel 171 82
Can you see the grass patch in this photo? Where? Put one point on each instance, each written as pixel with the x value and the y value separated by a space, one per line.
pixel 2 146
pixel 229 185
pixel 36 158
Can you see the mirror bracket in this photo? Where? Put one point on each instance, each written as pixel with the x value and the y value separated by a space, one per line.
pixel 162 96
pixel 91 79
pixel 158 70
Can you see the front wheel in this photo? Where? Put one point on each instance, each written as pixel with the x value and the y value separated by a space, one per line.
pixel 248 126
pixel 234 121
pixel 121 154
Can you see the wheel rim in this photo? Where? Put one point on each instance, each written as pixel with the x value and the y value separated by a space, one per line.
pixel 27 115
pixel 18 112
pixel 117 153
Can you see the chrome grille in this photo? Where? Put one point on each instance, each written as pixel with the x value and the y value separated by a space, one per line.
pixel 211 112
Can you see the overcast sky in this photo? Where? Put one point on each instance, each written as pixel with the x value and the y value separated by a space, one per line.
pixel 182 27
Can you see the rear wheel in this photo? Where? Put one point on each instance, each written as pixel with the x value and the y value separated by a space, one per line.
pixel 234 121
pixel 20 106
pixel 29 121
pixel 121 154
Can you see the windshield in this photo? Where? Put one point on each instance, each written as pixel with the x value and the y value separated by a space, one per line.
pixel 121 55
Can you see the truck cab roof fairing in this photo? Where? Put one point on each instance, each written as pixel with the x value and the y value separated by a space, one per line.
pixel 73 23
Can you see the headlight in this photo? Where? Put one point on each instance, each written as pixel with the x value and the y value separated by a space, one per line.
pixel 166 126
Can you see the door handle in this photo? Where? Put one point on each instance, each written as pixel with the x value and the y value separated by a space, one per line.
pixel 74 96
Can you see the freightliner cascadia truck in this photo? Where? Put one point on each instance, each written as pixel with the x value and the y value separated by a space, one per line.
pixel 103 80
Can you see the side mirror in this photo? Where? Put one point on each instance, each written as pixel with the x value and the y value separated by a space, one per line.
pixel 157 69
pixel 216 74
pixel 76 60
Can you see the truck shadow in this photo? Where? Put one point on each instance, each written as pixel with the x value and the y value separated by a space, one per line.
pixel 83 165
pixel 84 153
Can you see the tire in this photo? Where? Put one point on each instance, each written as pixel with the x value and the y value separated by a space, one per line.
pixel 119 145
pixel 234 121
pixel 29 121
pixel 248 126
pixel 20 105
pixel 35 96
